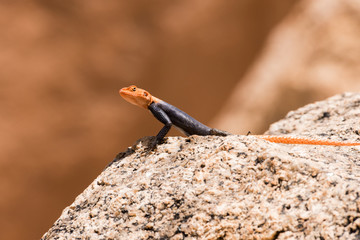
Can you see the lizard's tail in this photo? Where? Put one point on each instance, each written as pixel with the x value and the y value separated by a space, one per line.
pixel 218 132
pixel 305 140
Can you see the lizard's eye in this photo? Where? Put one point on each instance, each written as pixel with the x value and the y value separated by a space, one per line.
pixel 145 94
pixel 133 89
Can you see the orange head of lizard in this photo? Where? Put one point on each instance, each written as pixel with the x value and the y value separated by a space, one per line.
pixel 137 96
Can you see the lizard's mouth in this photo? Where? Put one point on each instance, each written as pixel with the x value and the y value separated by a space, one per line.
pixel 122 92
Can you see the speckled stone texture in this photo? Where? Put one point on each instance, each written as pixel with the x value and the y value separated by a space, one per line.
pixel 235 187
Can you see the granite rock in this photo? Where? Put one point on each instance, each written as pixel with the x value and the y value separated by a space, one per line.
pixel 234 187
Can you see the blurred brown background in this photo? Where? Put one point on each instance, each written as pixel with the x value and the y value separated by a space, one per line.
pixel 236 65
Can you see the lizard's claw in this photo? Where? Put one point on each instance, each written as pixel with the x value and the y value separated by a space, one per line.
pixel 152 145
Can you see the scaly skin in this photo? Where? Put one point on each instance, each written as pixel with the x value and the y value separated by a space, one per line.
pixel 144 99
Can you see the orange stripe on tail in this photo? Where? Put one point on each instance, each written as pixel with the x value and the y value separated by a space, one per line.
pixel 305 140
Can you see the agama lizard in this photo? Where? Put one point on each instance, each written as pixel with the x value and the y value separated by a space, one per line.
pixel 170 115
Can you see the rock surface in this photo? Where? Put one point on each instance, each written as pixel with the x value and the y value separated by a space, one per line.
pixel 235 187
